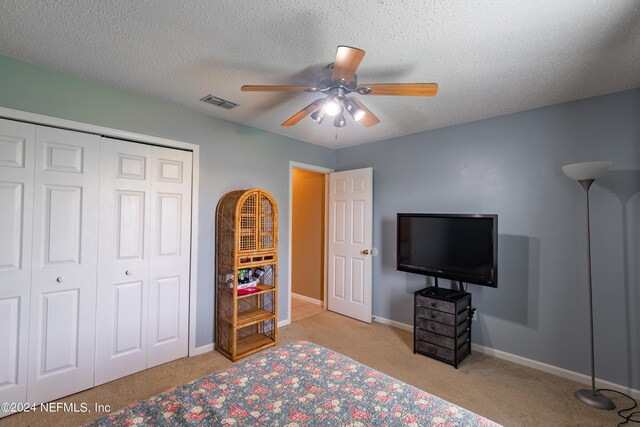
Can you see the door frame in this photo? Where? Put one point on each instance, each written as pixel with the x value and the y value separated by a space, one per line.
pixel 39 119
pixel 326 171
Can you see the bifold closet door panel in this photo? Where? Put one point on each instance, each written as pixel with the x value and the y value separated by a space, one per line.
pixel 64 264
pixel 17 143
pixel 123 271
pixel 170 252
pixel 143 285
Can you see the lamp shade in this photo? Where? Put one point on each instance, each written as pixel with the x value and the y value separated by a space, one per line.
pixel 587 170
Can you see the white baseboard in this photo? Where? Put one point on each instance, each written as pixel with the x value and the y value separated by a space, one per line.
pixel 544 367
pixel 284 322
pixel 202 349
pixel 307 299
pixel 550 369
pixel 393 323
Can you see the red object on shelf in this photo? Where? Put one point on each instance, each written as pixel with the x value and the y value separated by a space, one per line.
pixel 247 291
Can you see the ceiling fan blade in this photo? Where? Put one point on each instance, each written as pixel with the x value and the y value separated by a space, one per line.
pixel 267 88
pixel 399 89
pixel 369 118
pixel 347 61
pixel 302 113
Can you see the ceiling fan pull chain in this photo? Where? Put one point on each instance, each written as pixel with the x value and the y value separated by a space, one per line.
pixel 336 134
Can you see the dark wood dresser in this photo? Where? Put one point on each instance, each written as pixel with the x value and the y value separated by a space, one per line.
pixel 442 324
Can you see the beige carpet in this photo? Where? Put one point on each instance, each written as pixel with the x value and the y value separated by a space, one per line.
pixel 502 391
pixel 302 309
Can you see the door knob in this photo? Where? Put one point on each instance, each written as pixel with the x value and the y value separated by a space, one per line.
pixel 128 272
pixel 372 252
pixel 60 279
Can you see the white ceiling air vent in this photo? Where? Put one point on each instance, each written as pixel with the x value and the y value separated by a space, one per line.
pixel 219 102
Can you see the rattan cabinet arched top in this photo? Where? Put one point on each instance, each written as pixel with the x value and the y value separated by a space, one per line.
pixel 246 240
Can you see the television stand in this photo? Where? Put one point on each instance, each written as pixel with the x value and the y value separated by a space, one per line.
pixel 442 324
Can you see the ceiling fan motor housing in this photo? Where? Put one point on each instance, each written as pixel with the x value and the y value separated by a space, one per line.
pixel 326 82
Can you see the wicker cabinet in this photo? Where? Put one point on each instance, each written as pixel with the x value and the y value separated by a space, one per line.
pixel 246 251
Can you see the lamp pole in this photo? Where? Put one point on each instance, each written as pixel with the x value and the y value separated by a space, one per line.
pixel 586 184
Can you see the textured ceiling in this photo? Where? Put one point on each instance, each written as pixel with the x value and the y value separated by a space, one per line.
pixel 488 57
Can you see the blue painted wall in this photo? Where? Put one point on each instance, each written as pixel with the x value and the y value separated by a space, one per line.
pixel 231 156
pixel 510 165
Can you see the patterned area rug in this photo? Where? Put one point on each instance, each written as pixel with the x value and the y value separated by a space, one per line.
pixel 299 384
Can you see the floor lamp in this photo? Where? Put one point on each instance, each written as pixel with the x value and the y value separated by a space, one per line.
pixel 586 174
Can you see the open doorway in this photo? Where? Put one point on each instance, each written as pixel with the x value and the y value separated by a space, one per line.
pixel 308 227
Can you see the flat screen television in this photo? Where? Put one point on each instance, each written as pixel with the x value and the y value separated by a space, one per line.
pixel 458 247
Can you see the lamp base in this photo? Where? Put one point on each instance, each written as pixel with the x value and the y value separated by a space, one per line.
pixel 597 400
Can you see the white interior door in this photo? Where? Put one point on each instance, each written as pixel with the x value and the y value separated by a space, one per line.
pixel 145 256
pixel 170 252
pixel 63 286
pixel 350 243
pixel 17 142
pixel 123 269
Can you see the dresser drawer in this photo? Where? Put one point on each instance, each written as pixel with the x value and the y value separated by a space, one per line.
pixel 436 304
pixel 434 350
pixel 438 328
pixel 442 341
pixel 437 316
pixel 462 316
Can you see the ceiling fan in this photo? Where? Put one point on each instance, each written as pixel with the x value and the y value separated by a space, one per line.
pixel 336 81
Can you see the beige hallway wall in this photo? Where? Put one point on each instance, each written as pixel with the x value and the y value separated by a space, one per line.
pixel 307 238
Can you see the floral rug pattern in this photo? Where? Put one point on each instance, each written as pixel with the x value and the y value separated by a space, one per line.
pixel 299 384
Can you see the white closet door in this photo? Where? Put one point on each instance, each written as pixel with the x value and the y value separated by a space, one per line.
pixel 17 142
pixel 123 272
pixel 63 286
pixel 143 274
pixel 170 256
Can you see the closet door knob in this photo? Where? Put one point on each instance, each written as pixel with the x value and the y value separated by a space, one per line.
pixel 60 279
pixel 128 272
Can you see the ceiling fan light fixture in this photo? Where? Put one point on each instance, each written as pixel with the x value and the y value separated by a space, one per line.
pixel 318 115
pixel 356 112
pixel 339 121
pixel 332 107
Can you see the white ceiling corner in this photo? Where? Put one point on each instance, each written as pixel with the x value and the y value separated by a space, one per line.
pixel 489 57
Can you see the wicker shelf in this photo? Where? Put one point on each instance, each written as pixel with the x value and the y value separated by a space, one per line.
pixel 247 238
pixel 252 316
pixel 263 289
pixel 253 343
